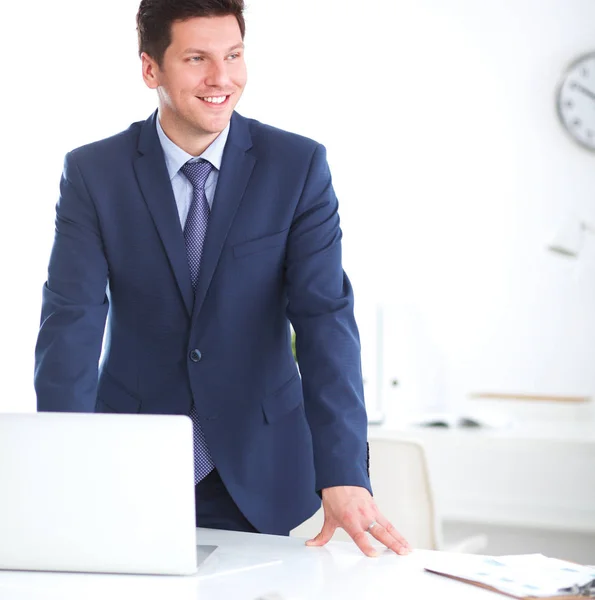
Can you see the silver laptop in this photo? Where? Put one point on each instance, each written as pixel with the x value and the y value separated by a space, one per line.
pixel 101 493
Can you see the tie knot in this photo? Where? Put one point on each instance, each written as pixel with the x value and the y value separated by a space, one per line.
pixel 196 172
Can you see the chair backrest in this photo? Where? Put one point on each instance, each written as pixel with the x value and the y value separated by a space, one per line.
pixel 403 491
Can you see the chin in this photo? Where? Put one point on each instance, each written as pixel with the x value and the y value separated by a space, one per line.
pixel 215 126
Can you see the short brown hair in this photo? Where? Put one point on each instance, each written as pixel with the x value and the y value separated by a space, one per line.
pixel 155 17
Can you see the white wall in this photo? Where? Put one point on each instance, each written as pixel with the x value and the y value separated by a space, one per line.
pixel 450 165
pixel 483 175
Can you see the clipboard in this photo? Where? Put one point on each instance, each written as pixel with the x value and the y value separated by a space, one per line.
pixel 494 589
pixel 520 576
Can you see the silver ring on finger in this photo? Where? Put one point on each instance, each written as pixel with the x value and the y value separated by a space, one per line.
pixel 372 525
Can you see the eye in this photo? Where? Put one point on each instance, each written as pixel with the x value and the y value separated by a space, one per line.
pixel 195 59
pixel 234 56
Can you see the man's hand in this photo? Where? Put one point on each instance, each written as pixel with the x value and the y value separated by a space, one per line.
pixel 354 509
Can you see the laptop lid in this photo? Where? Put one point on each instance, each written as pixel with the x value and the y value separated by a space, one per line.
pixel 109 493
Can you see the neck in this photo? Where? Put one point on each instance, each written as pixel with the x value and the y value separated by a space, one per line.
pixel 193 141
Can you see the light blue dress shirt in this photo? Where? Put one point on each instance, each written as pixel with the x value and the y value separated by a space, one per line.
pixel 175 158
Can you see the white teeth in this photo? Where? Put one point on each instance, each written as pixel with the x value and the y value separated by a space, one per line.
pixel 215 99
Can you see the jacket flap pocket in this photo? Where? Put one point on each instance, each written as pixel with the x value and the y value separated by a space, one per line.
pixel 260 244
pixel 288 397
pixel 113 397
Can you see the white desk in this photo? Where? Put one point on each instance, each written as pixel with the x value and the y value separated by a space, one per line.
pixel 337 571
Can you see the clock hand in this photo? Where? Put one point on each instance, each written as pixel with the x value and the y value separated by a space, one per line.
pixel 584 90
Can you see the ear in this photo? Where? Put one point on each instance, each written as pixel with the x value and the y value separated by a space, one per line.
pixel 150 71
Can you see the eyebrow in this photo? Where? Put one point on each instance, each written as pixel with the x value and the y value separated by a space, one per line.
pixel 198 51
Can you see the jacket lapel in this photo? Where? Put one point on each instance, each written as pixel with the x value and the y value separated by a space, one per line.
pixel 236 168
pixel 155 185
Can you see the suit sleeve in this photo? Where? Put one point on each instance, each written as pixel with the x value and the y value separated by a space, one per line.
pixel 74 303
pixel 320 308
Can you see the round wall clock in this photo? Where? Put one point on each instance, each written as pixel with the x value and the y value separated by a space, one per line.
pixel 576 100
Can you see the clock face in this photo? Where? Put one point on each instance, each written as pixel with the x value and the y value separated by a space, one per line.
pixel 576 101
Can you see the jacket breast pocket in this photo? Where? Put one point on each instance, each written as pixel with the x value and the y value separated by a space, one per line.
pixel 260 244
pixel 284 400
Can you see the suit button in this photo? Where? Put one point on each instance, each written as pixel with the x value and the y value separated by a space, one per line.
pixel 195 356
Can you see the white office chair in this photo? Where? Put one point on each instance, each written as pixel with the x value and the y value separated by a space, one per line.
pixel 403 492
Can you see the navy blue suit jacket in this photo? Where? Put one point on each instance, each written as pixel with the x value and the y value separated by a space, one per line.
pixel 272 255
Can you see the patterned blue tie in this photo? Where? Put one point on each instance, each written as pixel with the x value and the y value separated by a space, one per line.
pixel 195 230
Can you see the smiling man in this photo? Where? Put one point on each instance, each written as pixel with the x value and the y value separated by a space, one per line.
pixel 204 235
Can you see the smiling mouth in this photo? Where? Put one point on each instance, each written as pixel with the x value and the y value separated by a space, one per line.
pixel 214 100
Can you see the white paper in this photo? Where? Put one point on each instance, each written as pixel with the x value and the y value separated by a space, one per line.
pixel 520 575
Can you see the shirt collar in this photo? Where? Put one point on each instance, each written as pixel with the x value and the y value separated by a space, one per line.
pixel 175 157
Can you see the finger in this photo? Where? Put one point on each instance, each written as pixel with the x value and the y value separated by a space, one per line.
pixel 324 536
pixel 392 530
pixel 386 533
pixel 363 543
pixel 358 535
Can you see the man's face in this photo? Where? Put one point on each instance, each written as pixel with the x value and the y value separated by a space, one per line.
pixel 202 75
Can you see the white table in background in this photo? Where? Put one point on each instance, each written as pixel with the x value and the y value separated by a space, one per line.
pixel 531 475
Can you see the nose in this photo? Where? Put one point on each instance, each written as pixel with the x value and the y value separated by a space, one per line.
pixel 217 75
